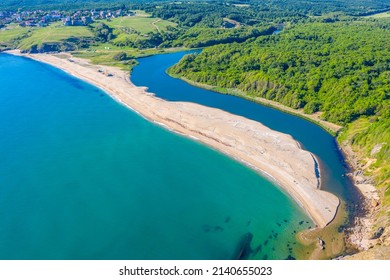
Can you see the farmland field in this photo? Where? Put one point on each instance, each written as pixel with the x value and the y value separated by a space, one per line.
pixel 54 33
pixel 12 32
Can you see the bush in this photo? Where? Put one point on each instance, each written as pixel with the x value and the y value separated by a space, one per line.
pixel 120 56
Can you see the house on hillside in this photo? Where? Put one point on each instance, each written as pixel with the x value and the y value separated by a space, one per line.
pixel 77 22
pixel 87 20
pixel 41 23
pixel 30 23
pixel 67 21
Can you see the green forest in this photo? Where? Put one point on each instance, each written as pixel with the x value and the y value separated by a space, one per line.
pixel 317 66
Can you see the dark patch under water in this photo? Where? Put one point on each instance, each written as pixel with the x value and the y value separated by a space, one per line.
pixel 244 249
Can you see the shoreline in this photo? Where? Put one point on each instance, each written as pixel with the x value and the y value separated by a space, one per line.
pixel 276 155
pixel 361 231
pixel 331 128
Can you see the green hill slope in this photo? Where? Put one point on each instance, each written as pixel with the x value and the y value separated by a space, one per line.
pixel 339 70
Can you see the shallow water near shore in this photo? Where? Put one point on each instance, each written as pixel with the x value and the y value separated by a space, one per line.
pixel 83 177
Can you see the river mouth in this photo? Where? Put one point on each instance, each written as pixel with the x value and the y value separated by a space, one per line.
pixel 332 165
pixel 83 177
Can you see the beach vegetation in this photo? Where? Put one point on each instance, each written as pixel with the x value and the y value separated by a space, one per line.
pixel 54 34
pixel 120 56
pixel 11 35
pixel 142 23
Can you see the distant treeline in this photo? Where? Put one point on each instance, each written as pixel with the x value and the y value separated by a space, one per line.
pixel 251 12
pixel 278 8
pixel 203 37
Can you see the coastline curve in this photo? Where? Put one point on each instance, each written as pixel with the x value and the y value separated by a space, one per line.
pixel 276 155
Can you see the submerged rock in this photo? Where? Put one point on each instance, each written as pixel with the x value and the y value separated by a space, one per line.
pixel 289 257
pixel 244 249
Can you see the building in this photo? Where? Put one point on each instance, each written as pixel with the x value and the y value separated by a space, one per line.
pixel 77 22
pixel 87 20
pixel 41 23
pixel 67 21
pixel 30 23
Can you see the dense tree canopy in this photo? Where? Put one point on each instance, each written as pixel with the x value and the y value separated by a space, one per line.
pixel 258 9
pixel 252 12
pixel 317 66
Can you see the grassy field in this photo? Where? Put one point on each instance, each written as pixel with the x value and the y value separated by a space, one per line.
pixel 141 13
pixel 54 33
pixel 105 57
pixel 136 27
pixel 163 24
pixel 12 32
pixel 140 24
pixel 380 15
pixel 125 29
pixel 24 38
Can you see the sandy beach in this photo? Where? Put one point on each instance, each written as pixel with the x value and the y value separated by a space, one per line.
pixel 271 153
pixel 315 118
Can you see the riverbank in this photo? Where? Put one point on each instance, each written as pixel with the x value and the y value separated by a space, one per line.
pixel 274 154
pixel 369 233
pixel 332 128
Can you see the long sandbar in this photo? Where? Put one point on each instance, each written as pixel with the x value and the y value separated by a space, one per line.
pixel 272 153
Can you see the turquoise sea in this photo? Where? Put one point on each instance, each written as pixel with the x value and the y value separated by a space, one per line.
pixel 83 177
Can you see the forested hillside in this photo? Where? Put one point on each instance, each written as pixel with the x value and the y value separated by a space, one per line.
pixel 338 69
pixel 317 66
pixel 293 7
pixel 255 11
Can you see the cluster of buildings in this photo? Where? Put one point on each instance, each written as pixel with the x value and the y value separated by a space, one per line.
pixel 76 21
pixel 81 18
pixel 41 18
pixel 30 18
